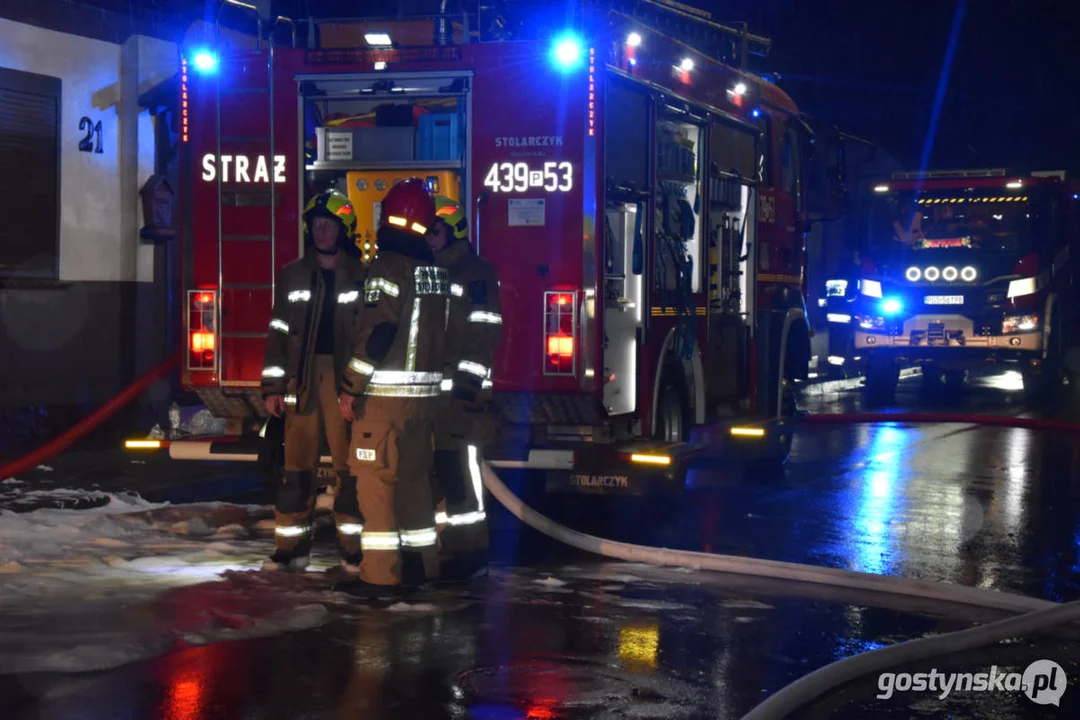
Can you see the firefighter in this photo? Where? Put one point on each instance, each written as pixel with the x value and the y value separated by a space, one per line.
pixel 389 391
pixel 307 348
pixel 463 424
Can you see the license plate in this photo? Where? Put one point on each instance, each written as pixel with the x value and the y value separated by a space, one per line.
pixel 944 299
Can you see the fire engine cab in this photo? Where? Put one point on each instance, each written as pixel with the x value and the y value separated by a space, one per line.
pixel 642 200
pixel 965 269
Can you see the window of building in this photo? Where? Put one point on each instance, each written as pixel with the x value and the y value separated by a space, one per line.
pixel 29 174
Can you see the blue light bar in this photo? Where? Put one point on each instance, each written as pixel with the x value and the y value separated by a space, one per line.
pixel 204 61
pixel 891 306
pixel 567 52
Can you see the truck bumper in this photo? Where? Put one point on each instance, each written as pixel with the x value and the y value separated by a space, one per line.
pixel 642 467
pixel 968 353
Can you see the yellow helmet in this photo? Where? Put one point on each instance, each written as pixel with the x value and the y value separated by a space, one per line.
pixel 453 215
pixel 331 203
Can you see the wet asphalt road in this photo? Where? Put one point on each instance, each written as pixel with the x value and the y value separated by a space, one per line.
pixel 989 507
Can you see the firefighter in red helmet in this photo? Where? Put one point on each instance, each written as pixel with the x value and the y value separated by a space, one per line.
pixel 463 425
pixel 389 391
pixel 309 343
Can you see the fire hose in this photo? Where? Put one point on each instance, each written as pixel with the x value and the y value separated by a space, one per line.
pixel 61 443
pixel 1035 614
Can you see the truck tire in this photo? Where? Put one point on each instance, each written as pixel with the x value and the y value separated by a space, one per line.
pixel 1043 387
pixel 672 423
pixel 881 379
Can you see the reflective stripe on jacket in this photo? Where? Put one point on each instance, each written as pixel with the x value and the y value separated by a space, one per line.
pixel 399 342
pixel 474 321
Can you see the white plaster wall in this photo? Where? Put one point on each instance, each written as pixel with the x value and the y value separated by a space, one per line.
pixel 96 243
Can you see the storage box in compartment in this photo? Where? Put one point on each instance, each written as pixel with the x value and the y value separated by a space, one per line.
pixel 371 144
pixel 439 137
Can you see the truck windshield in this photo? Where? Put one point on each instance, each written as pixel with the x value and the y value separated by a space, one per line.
pixel 985 224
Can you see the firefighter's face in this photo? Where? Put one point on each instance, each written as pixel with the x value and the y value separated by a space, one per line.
pixel 325 232
pixel 438 236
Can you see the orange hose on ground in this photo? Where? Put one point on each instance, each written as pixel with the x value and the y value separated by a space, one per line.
pixel 57 445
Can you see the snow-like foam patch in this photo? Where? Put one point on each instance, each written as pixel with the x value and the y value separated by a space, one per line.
pixel 91 589
pixel 551 582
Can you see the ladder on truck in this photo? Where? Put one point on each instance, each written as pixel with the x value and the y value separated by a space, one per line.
pixel 246 213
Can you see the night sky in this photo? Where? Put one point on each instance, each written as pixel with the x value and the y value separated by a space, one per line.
pixel 872 68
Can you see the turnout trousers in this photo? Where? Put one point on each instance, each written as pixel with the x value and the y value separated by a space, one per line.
pixel 390 457
pixel 303 439
pixel 461 431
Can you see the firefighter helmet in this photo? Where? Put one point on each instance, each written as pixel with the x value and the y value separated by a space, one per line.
pixel 331 203
pixel 408 206
pixel 453 215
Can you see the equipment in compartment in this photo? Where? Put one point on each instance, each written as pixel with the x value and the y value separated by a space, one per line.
pixel 366 190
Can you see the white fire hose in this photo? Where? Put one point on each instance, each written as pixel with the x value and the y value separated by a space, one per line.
pixel 1037 614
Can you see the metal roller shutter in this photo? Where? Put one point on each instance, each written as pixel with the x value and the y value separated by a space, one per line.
pixel 29 173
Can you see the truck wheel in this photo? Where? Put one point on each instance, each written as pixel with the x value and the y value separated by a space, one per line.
pixel 789 413
pixel 671 423
pixel 1043 387
pixel 881 379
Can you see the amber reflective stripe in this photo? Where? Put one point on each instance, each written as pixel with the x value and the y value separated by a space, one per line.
pixel 473 368
pixel 358 365
pixel 414 336
pixel 485 316
pixel 411 391
pixel 380 541
pixel 425 537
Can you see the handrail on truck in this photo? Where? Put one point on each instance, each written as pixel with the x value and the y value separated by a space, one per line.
pixel 242 6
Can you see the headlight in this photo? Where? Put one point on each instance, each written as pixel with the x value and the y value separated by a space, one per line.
pixel 835 288
pixel 968 274
pixel 1023 286
pixel 913 274
pixel 950 274
pixel 870 322
pixel 1019 323
pixel 931 273
pixel 870 288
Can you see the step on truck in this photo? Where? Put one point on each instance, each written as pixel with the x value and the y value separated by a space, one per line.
pixel 642 200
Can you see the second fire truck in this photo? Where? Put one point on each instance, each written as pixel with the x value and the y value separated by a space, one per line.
pixel 964 270
pixel 642 201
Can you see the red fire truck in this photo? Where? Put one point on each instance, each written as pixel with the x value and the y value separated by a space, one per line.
pixel 642 201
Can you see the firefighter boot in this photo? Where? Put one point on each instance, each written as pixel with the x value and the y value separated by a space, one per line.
pixel 350 523
pixel 294 560
pixel 292 527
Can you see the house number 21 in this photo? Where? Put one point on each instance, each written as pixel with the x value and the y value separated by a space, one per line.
pixel 92 141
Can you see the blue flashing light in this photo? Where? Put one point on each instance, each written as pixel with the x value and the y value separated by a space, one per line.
pixel 205 61
pixel 567 52
pixel 755 113
pixel 891 306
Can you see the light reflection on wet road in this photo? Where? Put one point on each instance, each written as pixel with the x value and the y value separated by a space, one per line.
pixel 984 506
pixel 988 507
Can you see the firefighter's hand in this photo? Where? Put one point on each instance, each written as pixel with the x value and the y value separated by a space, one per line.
pixel 345 404
pixel 275 405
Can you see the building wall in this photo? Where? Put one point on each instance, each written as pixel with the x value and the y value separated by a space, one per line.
pixel 82 334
